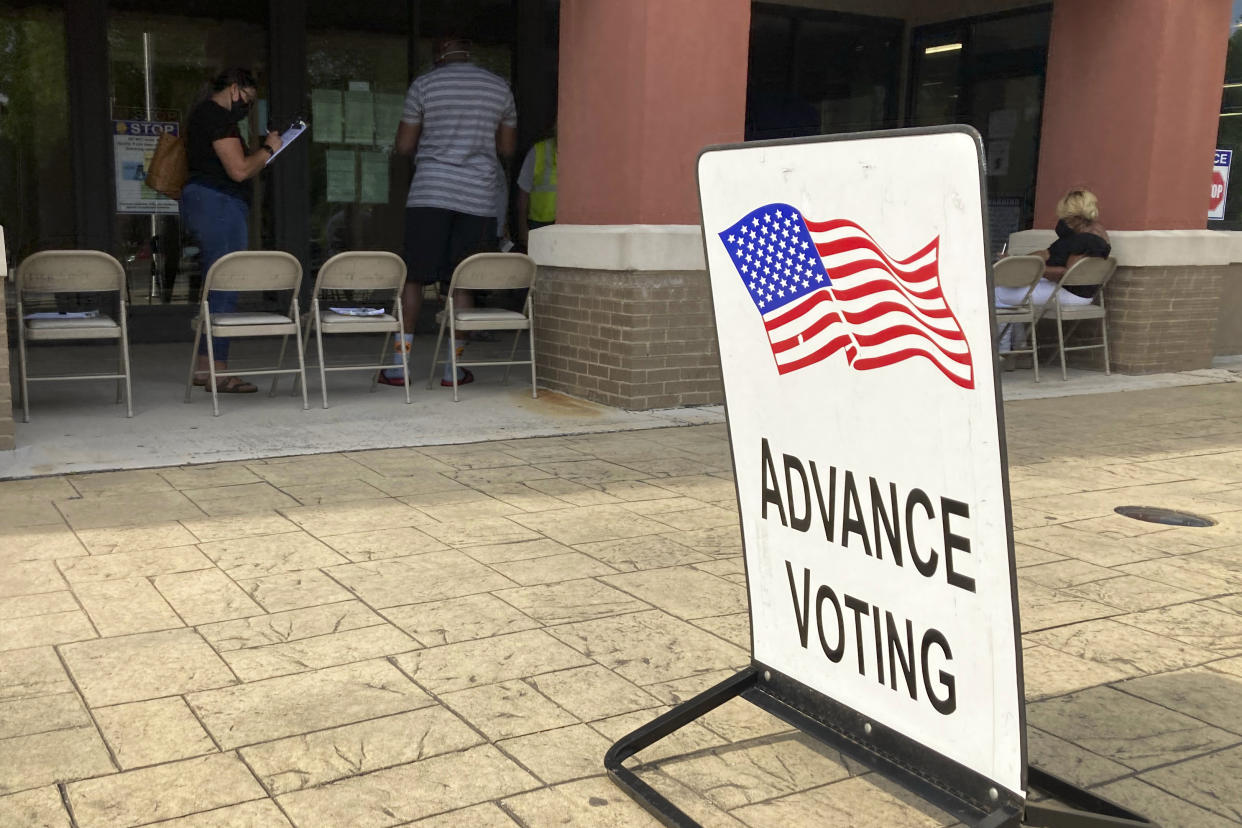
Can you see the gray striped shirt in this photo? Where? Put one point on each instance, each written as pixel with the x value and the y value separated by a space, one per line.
pixel 460 106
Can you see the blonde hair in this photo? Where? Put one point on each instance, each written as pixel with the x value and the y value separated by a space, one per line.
pixel 1079 204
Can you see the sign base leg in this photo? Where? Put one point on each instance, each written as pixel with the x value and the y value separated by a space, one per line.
pixel 647 735
pixel 1073 808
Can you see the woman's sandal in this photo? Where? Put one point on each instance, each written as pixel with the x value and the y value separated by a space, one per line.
pixel 233 385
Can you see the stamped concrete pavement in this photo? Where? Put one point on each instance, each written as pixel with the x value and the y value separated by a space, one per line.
pixel 453 635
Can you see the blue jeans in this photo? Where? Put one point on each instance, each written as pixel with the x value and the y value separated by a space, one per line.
pixel 218 221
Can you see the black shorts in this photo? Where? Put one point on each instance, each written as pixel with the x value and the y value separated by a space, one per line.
pixel 437 240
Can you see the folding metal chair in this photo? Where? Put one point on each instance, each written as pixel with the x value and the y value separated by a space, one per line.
pixel 1023 273
pixel 356 271
pixel 249 271
pixel 73 271
pixel 1084 272
pixel 489 271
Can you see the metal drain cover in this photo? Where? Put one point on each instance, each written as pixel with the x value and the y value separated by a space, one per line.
pixel 1169 517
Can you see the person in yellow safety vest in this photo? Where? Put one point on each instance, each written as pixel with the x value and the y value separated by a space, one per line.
pixel 536 202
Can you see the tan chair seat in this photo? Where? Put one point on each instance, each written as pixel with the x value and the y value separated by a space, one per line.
pixel 329 318
pixel 1081 312
pixel 248 318
pixel 43 330
pixel 489 315
pixel 1014 313
pixel 477 319
pixel 101 321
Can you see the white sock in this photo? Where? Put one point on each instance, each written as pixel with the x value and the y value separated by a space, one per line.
pixel 460 345
pixel 400 345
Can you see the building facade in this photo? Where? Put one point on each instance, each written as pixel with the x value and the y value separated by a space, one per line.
pixel 1122 96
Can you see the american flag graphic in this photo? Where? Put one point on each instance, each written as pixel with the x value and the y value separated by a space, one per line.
pixel 824 287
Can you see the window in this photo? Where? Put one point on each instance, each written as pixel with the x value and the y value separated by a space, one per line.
pixel 36 181
pixel 815 73
pixel 1229 132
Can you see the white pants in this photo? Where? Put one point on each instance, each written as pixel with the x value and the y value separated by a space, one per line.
pixel 1014 335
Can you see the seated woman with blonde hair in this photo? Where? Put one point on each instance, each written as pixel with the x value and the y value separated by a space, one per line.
pixel 1079 235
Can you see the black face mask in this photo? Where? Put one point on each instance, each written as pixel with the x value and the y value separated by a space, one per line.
pixel 240 109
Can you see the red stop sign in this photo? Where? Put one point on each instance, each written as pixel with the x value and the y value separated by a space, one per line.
pixel 1218 190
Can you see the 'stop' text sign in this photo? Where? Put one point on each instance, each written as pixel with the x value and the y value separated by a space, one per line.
pixel 850 287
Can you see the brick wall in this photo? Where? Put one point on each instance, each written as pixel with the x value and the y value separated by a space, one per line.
pixel 7 440
pixel 1229 316
pixel 635 340
pixel 1164 318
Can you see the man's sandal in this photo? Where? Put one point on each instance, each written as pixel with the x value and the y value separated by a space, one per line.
pixel 466 378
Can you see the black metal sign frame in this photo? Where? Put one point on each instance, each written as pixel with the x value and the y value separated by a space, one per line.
pixel 954 788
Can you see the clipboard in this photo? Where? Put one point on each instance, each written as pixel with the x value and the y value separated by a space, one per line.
pixel 287 137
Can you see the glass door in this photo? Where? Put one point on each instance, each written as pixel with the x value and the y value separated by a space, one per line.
pixel 160 67
pixel 989 73
pixel 358 69
pixel 359 63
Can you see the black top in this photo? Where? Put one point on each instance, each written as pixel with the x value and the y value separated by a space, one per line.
pixel 1070 243
pixel 210 122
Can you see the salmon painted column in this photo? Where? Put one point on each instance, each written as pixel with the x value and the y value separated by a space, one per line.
pixel 644 84
pixel 622 308
pixel 1130 109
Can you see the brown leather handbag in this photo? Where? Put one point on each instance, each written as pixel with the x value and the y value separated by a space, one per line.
pixel 169 168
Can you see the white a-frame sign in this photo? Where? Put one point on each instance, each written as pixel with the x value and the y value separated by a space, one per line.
pixel 851 289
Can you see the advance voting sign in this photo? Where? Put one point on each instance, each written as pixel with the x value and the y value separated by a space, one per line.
pixel 850 285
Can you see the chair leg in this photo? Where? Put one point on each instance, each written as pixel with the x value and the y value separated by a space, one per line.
pixel 436 353
pixel 129 390
pixel 293 391
pixel 452 347
pixel 383 350
pixel 1061 345
pixel 211 373
pixel 405 352
pixel 323 374
pixel 22 369
pixel 1104 331
pixel 280 362
pixel 120 369
pixel 512 352
pixel 405 370
pixel 301 364
pixel 189 380
pixel 534 389
pixel 1035 348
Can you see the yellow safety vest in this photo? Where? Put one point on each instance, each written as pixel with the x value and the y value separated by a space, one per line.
pixel 543 187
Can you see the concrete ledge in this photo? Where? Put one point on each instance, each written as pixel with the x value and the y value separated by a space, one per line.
pixel 627 247
pixel 1152 248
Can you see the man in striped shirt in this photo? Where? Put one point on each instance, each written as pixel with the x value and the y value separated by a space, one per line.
pixel 459 123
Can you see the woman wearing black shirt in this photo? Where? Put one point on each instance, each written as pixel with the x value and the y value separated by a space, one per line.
pixel 215 202
pixel 1079 235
